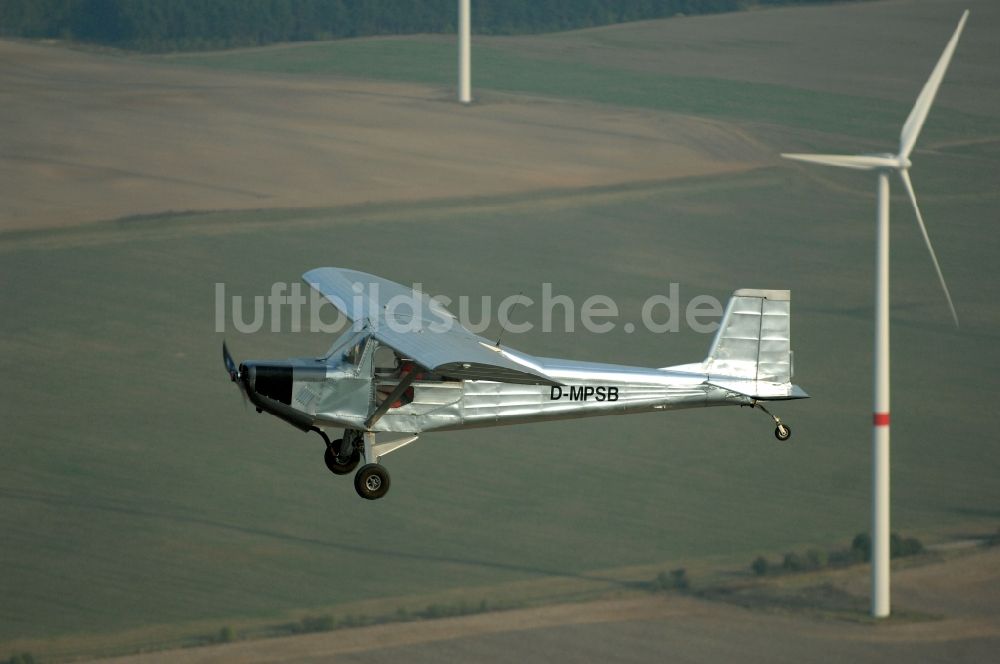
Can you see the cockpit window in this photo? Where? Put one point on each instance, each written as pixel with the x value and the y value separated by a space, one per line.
pixel 341 342
pixel 353 354
pixel 350 347
pixel 385 360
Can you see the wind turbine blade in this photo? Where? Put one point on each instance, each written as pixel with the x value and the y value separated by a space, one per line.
pixel 905 177
pixel 861 162
pixel 911 129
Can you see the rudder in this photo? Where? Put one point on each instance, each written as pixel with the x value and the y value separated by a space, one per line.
pixel 754 339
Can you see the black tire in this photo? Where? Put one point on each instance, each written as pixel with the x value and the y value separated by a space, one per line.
pixel 372 481
pixel 331 457
pixel 782 432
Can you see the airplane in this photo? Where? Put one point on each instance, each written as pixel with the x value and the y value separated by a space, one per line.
pixel 395 374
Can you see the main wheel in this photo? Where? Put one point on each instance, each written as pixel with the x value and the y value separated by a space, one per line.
pixel 332 456
pixel 372 481
pixel 782 432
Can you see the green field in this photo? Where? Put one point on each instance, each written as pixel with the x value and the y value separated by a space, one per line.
pixel 136 493
pixel 503 67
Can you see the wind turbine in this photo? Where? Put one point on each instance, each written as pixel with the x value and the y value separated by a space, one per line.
pixel 882 164
pixel 464 52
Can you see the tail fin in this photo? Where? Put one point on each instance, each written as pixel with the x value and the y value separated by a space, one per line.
pixel 752 351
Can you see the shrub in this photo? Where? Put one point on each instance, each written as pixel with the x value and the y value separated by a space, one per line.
pixel 793 562
pixel 660 582
pixel 316 624
pixel 862 544
pixel 816 559
pixel 350 620
pixel 898 546
pixel 434 611
pixel 760 566
pixel 912 546
pixel 674 580
pixel 845 557
pixel 226 635
pixel 679 579
pixel 895 545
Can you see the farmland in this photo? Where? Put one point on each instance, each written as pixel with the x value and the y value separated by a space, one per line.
pixel 141 506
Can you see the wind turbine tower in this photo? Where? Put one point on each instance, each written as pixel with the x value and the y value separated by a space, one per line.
pixel 883 164
pixel 464 52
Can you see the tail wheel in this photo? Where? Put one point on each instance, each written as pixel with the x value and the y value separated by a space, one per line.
pixel 782 432
pixel 372 481
pixel 336 464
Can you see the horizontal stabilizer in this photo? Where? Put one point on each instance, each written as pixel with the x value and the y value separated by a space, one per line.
pixel 759 389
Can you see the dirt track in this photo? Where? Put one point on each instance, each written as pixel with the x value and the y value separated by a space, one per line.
pixel 963 595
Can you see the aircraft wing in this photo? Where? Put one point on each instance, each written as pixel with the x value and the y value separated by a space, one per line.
pixel 421 328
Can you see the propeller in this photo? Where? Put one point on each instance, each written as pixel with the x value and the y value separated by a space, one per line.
pixel 235 373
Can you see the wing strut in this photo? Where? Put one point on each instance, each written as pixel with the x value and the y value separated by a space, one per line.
pixel 393 397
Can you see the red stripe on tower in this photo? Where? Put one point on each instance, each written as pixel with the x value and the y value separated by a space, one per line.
pixel 881 419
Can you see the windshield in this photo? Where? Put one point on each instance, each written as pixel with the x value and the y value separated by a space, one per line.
pixel 352 355
pixel 349 347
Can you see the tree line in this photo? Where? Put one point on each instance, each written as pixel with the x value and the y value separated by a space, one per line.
pixel 169 25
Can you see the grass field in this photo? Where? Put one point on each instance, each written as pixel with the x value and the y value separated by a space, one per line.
pixel 140 504
pixel 501 67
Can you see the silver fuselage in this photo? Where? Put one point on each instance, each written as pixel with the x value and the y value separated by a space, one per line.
pixel 589 389
pixel 334 394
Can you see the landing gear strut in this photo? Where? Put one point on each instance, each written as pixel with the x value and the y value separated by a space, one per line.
pixel 781 430
pixel 341 455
